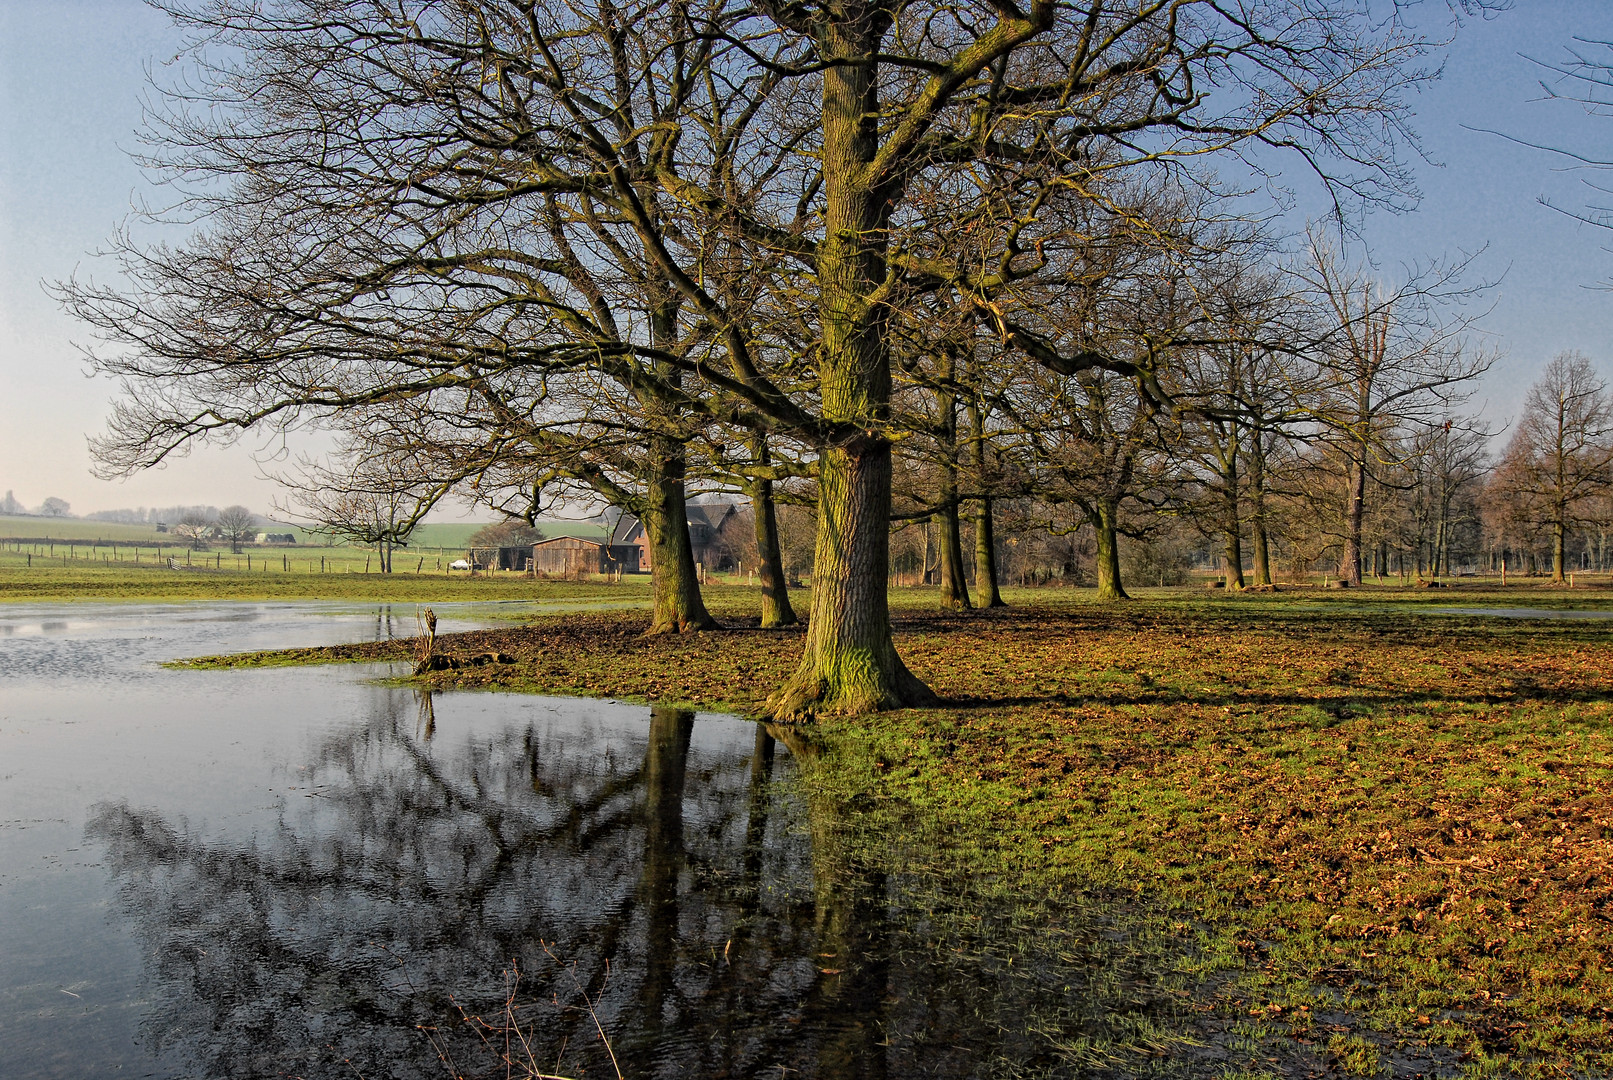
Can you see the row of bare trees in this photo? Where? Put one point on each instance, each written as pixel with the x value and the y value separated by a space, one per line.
pixel 909 257
pixel 1430 493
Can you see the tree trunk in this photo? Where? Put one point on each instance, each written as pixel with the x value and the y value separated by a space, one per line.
pixel 1559 546
pixel 1232 535
pixel 985 542
pixel 1442 547
pixel 1355 512
pixel 1233 550
pixel 665 766
pixel 1257 511
pixel 954 590
pixel 776 608
pixel 986 558
pixel 1105 523
pixel 850 664
pixel 678 605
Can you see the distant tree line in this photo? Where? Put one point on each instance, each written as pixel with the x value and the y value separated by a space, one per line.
pixel 164 515
pixel 51 507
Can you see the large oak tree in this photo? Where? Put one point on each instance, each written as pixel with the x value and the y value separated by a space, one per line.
pixel 420 201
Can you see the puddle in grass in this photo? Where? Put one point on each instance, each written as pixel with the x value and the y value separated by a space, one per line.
pixel 1525 613
pixel 1477 612
pixel 298 872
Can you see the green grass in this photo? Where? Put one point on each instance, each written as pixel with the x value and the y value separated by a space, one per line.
pixel 103 575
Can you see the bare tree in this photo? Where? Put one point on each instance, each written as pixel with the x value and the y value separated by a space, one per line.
pixel 419 209
pixel 1560 458
pixel 1387 358
pixel 194 527
pixel 237 524
pixel 516 533
pixel 1450 468
pixel 369 493
pixel 1238 393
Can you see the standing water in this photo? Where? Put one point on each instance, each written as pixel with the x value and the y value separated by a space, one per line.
pixel 302 872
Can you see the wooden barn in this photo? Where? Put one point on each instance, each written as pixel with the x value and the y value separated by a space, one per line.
pixel 571 557
pixel 501 558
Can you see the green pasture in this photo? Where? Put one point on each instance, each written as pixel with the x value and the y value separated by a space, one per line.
pixel 92 572
pixel 431 536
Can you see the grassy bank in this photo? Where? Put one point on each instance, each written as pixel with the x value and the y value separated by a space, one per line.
pixel 87 580
pixel 1385 810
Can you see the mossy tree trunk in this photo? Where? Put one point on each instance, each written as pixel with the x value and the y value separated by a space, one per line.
pixel 776 608
pixel 986 593
pixel 1233 554
pixel 850 664
pixel 679 607
pixel 1104 513
pixel 1232 532
pixel 954 590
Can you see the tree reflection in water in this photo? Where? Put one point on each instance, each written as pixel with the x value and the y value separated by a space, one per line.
pixel 725 924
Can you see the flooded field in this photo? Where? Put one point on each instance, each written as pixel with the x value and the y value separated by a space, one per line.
pixel 301 872
pixel 307 872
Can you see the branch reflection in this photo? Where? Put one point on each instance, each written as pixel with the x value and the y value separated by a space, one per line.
pixel 722 923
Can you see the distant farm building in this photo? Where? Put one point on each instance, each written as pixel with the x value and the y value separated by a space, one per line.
pixel 629 539
pixel 711 527
pixel 518 557
pixel 572 557
pixel 277 538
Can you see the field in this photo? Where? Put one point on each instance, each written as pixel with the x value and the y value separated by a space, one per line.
pixel 433 537
pixel 343 579
pixel 1385 812
pixel 91 560
pixel 1391 823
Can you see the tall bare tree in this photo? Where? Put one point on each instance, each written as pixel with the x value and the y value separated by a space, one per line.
pixel 1387 358
pixel 1560 457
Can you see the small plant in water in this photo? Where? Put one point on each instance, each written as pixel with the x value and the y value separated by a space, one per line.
pixel 425 647
pixel 508 1041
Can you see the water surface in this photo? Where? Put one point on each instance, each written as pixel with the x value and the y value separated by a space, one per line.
pixel 301 872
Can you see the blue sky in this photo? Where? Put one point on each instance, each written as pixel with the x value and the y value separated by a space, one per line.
pixel 72 74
